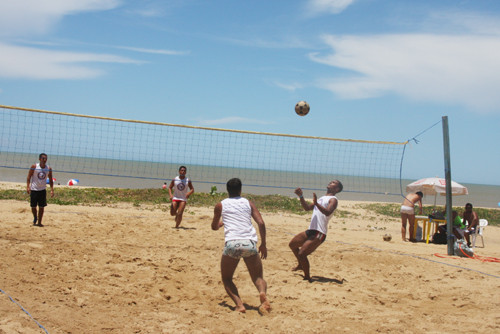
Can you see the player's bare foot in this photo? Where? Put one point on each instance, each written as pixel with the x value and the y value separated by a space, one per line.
pixel 265 306
pixel 241 309
pixel 297 268
pixel 309 279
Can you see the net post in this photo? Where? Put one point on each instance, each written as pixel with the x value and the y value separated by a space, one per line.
pixel 447 175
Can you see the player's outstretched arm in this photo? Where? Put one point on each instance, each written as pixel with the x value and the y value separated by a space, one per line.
pixel 306 206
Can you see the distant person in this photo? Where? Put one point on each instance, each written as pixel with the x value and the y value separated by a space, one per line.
pixel 470 218
pixel 180 194
pixel 305 243
pixel 408 213
pixel 457 225
pixel 241 242
pixel 36 185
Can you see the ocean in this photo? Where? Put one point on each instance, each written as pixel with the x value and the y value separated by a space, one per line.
pixel 134 175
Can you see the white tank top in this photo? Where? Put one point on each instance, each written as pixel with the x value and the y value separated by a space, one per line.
pixel 181 188
pixel 39 178
pixel 237 219
pixel 319 222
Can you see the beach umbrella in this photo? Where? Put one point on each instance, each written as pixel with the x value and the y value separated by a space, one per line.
pixel 434 186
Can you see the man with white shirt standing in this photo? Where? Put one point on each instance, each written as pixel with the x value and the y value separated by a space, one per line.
pixel 36 185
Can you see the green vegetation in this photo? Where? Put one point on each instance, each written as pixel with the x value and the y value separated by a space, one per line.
pixel 107 196
pixel 392 210
pixel 265 203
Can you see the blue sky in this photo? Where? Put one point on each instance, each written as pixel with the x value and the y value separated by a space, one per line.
pixel 370 69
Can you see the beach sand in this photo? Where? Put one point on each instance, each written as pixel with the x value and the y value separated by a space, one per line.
pixel 125 269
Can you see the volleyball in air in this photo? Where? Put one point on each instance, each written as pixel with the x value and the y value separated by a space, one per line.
pixel 302 108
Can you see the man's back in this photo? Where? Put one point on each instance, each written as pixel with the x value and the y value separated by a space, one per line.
pixel 411 199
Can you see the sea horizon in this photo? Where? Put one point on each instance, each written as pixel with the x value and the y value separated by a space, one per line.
pixel 480 195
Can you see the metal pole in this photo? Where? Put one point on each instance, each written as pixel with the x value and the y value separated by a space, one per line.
pixel 447 176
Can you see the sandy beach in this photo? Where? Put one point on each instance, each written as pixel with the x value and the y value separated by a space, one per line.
pixel 125 269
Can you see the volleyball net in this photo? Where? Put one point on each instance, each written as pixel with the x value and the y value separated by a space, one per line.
pixel 110 152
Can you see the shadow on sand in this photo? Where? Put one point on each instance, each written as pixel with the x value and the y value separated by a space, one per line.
pixel 232 308
pixel 321 279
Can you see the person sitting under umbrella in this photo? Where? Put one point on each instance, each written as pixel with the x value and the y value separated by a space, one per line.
pixel 458 226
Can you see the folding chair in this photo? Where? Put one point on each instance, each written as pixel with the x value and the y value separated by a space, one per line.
pixel 479 232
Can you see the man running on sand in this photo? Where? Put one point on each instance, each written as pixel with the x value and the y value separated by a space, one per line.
pixel 408 213
pixel 304 243
pixel 180 194
pixel 241 242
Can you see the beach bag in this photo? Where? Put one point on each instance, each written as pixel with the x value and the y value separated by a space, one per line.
pixel 436 215
pixel 439 238
pixel 461 249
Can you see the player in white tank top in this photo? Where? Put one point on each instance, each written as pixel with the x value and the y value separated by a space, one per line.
pixel 237 218
pixel 36 183
pixel 178 192
pixel 306 242
pixel 241 239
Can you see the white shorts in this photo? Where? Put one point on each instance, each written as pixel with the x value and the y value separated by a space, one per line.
pixel 407 209
pixel 240 248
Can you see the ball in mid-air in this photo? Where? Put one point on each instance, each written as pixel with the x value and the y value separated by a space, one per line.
pixel 302 108
pixel 387 237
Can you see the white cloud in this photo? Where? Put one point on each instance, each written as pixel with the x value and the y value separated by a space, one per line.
pixel 288 42
pixel 21 17
pixel 32 63
pixel 155 8
pixel 154 51
pixel 463 22
pixel 149 12
pixel 228 120
pixel 288 86
pixel 317 7
pixel 34 17
pixel 444 68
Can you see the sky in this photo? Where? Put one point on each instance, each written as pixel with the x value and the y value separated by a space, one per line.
pixel 382 70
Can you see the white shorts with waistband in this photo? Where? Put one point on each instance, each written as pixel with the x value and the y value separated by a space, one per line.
pixel 407 209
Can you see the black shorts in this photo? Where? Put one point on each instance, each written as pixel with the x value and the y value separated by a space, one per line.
pixel 313 234
pixel 38 198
